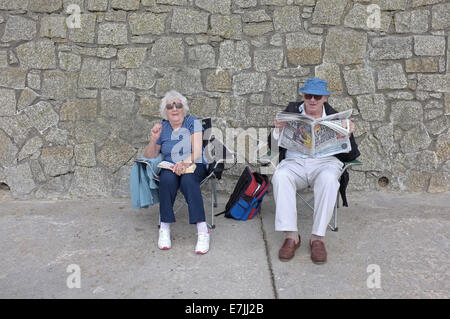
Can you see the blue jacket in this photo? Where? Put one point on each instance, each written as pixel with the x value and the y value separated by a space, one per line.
pixel 144 182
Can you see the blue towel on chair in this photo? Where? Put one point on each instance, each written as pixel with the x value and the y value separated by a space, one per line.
pixel 144 182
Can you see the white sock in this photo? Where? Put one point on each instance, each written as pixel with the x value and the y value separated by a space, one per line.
pixel 165 226
pixel 202 227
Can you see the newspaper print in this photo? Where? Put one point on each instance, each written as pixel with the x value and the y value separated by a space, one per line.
pixel 315 137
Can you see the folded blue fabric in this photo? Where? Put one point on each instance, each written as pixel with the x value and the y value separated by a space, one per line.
pixel 144 181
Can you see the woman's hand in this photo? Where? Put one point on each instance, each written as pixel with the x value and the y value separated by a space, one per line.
pixel 180 167
pixel 156 131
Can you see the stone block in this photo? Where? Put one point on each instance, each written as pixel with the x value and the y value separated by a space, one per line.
pixel 415 139
pixel 218 81
pixel 12 78
pixel 59 85
pixel 41 116
pixel 433 82
pixel 32 146
pixel 202 57
pixel 261 116
pixel 406 112
pixel 256 16
pixel 149 105
pixel 187 81
pixel 174 2
pixel 440 16
pixel 189 21
pixel 234 55
pixel 439 183
pixel 147 23
pixel 19 28
pixel 287 19
pixel 37 55
pixel 14 4
pixel 359 18
pixel 69 62
pixel 112 33
pixel 372 107
pixel 125 4
pixel 143 78
pixel 415 21
pixel 97 5
pixel 303 48
pixel 422 65
pixel 8 102
pixel 45 6
pixel 130 57
pixel 331 73
pixel 76 110
pixel 266 60
pixel 392 77
pixel 391 5
pixel 117 103
pixel 233 105
pixel 17 127
pixel 246 3
pixel 27 97
pixel 203 107
pixel 429 45
pixel 328 12
pixel 53 27
pixel 251 82
pixel 359 81
pixel 86 32
pixel 115 153
pixel 118 78
pixel 167 51
pixel 283 91
pixel 85 155
pixel 345 47
pixel 57 160
pixel 391 48
pixel 222 7
pixel 19 179
pixel 91 182
pixel 257 29
pixel 95 73
pixel 228 27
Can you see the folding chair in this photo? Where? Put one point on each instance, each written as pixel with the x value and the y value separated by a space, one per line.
pixel 217 155
pixel 265 161
pixel 310 204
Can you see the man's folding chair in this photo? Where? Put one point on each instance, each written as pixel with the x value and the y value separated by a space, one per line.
pixel 218 156
pixel 310 202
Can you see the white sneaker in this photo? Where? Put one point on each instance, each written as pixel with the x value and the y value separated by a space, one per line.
pixel 164 242
pixel 202 246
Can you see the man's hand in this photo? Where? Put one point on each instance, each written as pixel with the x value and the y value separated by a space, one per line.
pixel 279 125
pixel 351 124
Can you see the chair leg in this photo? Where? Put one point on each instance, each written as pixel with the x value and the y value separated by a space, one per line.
pixel 213 201
pixel 335 215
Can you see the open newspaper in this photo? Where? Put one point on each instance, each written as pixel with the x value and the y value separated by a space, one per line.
pixel 320 137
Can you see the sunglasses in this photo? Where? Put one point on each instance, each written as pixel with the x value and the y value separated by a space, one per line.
pixel 310 96
pixel 177 105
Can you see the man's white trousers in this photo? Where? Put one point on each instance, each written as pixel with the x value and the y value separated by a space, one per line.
pixel 294 174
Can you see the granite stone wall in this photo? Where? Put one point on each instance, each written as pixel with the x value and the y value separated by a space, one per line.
pixel 81 82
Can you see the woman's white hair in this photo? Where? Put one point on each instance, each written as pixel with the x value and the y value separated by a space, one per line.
pixel 173 95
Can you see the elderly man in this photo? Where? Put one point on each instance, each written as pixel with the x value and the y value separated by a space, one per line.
pixel 296 171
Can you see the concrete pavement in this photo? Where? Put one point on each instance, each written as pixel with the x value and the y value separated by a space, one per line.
pixel 388 245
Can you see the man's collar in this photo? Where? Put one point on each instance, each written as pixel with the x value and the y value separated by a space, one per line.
pixel 301 109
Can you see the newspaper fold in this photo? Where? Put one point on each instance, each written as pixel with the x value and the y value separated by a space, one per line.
pixel 320 137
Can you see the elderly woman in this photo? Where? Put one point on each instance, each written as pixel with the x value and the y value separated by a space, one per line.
pixel 179 138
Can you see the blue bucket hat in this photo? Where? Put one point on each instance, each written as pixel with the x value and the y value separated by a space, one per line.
pixel 315 86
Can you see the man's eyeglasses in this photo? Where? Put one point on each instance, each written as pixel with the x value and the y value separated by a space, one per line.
pixel 177 105
pixel 310 96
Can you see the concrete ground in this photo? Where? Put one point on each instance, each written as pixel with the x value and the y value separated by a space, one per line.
pixel 388 246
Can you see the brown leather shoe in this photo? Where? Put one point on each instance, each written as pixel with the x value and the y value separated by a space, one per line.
pixel 318 252
pixel 287 251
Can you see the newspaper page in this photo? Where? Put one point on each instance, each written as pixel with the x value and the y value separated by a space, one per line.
pixel 320 137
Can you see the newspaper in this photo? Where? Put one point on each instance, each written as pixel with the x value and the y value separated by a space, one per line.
pixel 315 137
